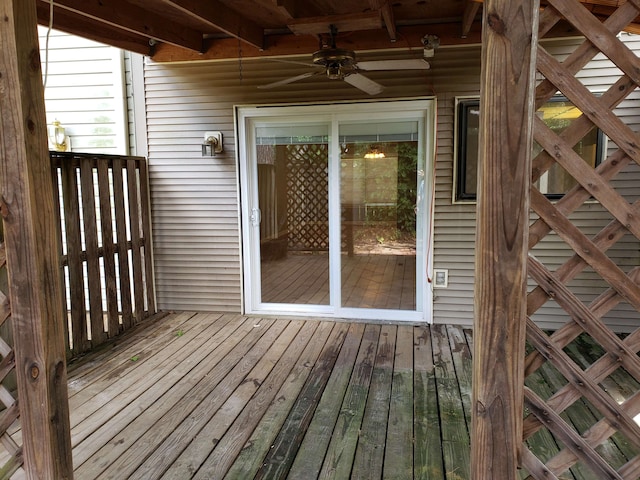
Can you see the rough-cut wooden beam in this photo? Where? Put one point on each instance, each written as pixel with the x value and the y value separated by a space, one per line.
pixel 286 7
pixel 471 9
pixel 277 45
pixel 220 17
pixel 30 232
pixel 130 17
pixel 75 24
pixel 386 10
pixel 350 22
pixel 506 111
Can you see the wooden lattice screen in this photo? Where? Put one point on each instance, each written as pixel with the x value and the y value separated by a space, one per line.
pixel 584 427
pixel 10 410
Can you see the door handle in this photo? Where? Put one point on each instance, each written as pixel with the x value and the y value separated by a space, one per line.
pixel 255 217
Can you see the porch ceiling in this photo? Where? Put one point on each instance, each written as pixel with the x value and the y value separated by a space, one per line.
pixel 178 30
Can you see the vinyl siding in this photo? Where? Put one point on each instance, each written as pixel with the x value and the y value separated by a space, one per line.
pixel 85 91
pixel 195 199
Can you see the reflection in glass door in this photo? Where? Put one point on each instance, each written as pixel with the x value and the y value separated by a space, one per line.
pixel 378 201
pixel 293 202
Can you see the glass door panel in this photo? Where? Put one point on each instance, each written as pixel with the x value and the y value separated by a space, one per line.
pixel 293 199
pixel 378 198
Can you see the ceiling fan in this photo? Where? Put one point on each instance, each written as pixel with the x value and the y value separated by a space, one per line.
pixel 341 64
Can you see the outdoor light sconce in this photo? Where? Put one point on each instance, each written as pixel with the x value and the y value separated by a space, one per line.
pixel 58 137
pixel 430 44
pixel 212 144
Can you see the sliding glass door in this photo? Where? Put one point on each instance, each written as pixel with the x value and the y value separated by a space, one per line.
pixel 334 211
pixel 378 205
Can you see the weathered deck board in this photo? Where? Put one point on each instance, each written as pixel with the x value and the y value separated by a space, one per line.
pixel 308 463
pixel 398 451
pixel 270 450
pixel 428 458
pixel 222 396
pixel 455 431
pixel 369 457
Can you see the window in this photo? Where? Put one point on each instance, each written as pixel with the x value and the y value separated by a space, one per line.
pixel 558 113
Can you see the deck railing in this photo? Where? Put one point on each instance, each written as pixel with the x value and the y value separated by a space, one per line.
pixel 105 233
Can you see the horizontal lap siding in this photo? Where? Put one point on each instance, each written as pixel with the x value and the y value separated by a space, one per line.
pixel 195 219
pixel 195 209
pixel 85 92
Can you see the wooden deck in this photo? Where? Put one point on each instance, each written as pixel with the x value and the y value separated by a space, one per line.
pixel 213 396
pixel 223 396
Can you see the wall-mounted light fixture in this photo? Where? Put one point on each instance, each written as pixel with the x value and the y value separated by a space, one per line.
pixel 430 44
pixel 58 137
pixel 374 152
pixel 212 144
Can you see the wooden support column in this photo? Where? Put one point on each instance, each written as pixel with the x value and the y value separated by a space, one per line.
pixel 33 258
pixel 506 114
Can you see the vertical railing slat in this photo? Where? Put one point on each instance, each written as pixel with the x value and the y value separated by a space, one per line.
pixel 91 249
pixel 108 247
pixel 121 235
pixel 57 193
pixel 74 247
pixel 134 222
pixel 145 211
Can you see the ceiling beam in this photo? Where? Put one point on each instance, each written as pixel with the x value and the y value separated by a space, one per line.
pixel 220 17
pixel 130 17
pixel 386 10
pixel 286 7
pixel 349 22
pixel 470 11
pixel 288 45
pixel 75 24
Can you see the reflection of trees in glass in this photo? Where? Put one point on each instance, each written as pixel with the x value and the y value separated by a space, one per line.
pixel 407 186
pixel 386 187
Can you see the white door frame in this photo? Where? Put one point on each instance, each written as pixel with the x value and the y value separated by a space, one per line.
pixel 418 109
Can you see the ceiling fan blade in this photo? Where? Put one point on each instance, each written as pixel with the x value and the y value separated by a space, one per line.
pixel 286 81
pixel 409 64
pixel 363 83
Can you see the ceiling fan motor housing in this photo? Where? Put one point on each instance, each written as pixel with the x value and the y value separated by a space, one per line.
pixel 338 62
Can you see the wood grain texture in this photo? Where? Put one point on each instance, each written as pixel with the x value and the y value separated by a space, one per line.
pixel 398 462
pixel 70 191
pixel 135 224
pixel 109 248
pixel 121 234
pixel 32 248
pixel 508 62
pixel 147 239
pixel 91 248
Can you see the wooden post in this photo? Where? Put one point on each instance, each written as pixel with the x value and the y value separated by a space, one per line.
pixel 506 113
pixel 33 257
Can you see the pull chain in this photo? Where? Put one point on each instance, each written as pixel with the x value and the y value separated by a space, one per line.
pixel 240 58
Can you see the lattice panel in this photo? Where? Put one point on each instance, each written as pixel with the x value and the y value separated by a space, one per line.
pixel 307 197
pixel 583 381
pixel 10 451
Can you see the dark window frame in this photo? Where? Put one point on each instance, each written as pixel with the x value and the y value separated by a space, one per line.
pixel 463 106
